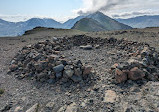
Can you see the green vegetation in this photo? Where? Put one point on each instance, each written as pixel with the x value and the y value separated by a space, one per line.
pixel 1 92
pixel 88 24
pixel 99 22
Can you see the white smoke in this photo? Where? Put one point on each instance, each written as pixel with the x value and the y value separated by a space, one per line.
pixel 119 8
pixel 91 6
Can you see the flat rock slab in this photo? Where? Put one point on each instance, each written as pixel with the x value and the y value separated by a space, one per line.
pixel 110 96
pixel 87 47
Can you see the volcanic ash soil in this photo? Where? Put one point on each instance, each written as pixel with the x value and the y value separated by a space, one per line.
pixel 81 73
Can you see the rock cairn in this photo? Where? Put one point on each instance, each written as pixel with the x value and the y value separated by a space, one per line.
pixel 143 63
pixel 42 62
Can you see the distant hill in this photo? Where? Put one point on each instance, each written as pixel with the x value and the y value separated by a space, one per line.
pixel 99 22
pixel 88 24
pixel 14 29
pixel 70 23
pixel 141 21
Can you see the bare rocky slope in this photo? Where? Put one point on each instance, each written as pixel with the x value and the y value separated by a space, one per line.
pixel 123 78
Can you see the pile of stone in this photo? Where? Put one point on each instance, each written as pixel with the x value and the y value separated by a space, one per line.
pixel 143 64
pixel 42 62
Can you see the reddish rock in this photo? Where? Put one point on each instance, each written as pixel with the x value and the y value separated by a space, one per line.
pixel 120 76
pixel 114 66
pixel 13 67
pixel 87 70
pixel 135 74
pixel 136 53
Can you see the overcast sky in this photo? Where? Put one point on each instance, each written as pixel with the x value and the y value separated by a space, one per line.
pixel 61 10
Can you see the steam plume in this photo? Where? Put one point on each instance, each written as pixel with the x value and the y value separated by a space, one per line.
pixel 91 6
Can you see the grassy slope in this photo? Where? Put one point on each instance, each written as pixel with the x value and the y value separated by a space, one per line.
pixel 108 22
pixel 87 24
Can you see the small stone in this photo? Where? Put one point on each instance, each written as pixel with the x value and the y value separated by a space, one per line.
pixel 72 108
pixel 62 109
pixel 97 46
pixel 83 104
pixel 78 71
pixel 76 78
pixel 56 52
pixel 7 107
pixel 50 105
pixel 132 61
pixel 110 96
pixel 64 62
pixel 120 76
pixel 41 76
pixel 51 81
pixel 87 47
pixel 34 108
pixel 87 70
pixel 58 75
pixel 13 67
pixel 135 74
pixel 145 51
pixel 18 109
pixel 58 68
pixel 13 62
pixel 123 66
pixel 52 57
pixel 114 66
pixel 54 38
pixel 78 63
pixel 68 72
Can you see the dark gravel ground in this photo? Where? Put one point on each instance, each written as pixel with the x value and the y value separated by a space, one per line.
pixel 130 97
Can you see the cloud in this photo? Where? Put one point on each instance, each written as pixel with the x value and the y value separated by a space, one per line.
pixel 90 6
pixel 122 8
pixel 18 18
pixel 132 14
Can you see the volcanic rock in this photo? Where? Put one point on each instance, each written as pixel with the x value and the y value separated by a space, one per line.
pixel 87 70
pixel 58 68
pixel 135 74
pixel 120 76
pixel 42 62
pixel 76 78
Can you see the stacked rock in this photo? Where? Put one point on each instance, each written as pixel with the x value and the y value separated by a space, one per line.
pixel 42 62
pixel 143 63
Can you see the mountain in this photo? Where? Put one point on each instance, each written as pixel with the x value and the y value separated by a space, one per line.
pixel 9 28
pixel 141 21
pixel 107 22
pixel 88 24
pixel 99 22
pixel 70 23
pixel 35 22
pixel 14 29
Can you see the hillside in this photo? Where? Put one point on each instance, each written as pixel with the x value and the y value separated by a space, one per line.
pixel 141 21
pixel 99 22
pixel 88 24
pixel 107 22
